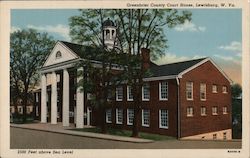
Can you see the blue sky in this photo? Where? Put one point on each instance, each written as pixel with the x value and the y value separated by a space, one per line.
pixel 216 33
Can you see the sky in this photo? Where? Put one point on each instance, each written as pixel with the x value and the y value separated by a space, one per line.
pixel 214 33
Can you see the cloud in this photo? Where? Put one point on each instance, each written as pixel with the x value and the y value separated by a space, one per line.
pixel 14 29
pixel 189 26
pixel 59 29
pixel 233 46
pixel 172 58
pixel 229 59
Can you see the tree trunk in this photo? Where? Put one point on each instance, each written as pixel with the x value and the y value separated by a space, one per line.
pixel 104 125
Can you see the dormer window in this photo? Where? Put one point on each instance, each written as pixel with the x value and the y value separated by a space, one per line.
pixel 58 54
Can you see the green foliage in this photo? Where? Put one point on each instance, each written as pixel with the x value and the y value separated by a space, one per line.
pixel 236 90
pixel 28 50
pixel 86 28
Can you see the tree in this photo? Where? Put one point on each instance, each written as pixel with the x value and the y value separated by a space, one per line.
pixel 236 90
pixel 28 50
pixel 136 29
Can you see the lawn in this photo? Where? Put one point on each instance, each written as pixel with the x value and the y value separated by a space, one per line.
pixel 126 133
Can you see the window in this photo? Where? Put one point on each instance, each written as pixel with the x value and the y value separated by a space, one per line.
pixel 58 54
pixel 163 87
pixel 214 136
pixel 224 110
pixel 119 93
pixel 146 92
pixel 37 97
pixel 109 116
pixel 129 93
pixel 163 118
pixel 189 90
pixel 214 88
pixel 225 136
pixel 224 89
pixel 145 117
pixel 215 110
pixel 119 116
pixel 203 111
pixel 110 95
pixel 28 110
pixel 130 116
pixel 20 110
pixel 203 91
pixel 37 111
pixel 190 111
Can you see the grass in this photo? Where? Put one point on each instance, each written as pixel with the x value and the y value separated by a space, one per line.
pixel 126 133
pixel 20 120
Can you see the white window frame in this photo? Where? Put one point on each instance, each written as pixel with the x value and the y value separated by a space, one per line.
pixel 130 118
pixel 160 95
pixel 224 135
pixel 117 120
pixel 203 113
pixel 116 92
pixel 224 89
pixel 37 98
pixel 213 112
pixel 190 113
pixel 203 91
pixel 192 91
pixel 160 119
pixel 20 109
pixel 214 88
pixel 129 93
pixel 109 115
pixel 143 118
pixel 224 110
pixel 143 93
pixel 214 136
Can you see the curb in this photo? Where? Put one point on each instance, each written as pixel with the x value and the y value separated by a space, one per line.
pixel 98 136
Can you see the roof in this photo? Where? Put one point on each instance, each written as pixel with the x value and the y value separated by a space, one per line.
pixel 108 22
pixel 173 69
pixel 167 70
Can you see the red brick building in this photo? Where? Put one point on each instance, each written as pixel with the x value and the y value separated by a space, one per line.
pixel 188 100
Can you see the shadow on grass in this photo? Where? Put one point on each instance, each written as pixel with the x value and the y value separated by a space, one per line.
pixel 126 133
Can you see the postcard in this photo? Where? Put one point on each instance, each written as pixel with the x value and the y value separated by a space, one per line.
pixel 124 78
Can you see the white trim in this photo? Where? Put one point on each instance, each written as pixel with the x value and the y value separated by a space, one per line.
pixel 108 110
pixel 116 117
pixel 129 123
pixel 202 62
pixel 142 118
pixel 160 97
pixel 205 92
pixel 116 93
pixel 129 88
pixel 63 45
pixel 192 84
pixel 214 85
pixel 190 114
pixel 145 99
pixel 160 126
pixel 160 78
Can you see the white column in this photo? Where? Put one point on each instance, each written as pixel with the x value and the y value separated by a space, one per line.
pixel 65 97
pixel 79 101
pixel 43 99
pixel 53 99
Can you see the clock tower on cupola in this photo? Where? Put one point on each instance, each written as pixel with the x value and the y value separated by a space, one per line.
pixel 109 31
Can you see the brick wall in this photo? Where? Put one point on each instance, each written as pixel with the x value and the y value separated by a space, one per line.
pixel 208 74
pixel 154 104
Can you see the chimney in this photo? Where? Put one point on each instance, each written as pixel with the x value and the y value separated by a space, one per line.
pixel 145 58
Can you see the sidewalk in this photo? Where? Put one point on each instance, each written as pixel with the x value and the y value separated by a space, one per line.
pixel 58 128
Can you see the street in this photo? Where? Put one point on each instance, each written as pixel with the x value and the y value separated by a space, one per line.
pixel 31 139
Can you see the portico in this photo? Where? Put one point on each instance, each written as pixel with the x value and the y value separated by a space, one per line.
pixel 57 74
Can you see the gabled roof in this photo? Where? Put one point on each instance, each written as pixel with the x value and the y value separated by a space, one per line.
pixel 166 71
pixel 173 69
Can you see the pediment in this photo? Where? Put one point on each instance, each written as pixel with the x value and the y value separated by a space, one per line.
pixel 59 54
